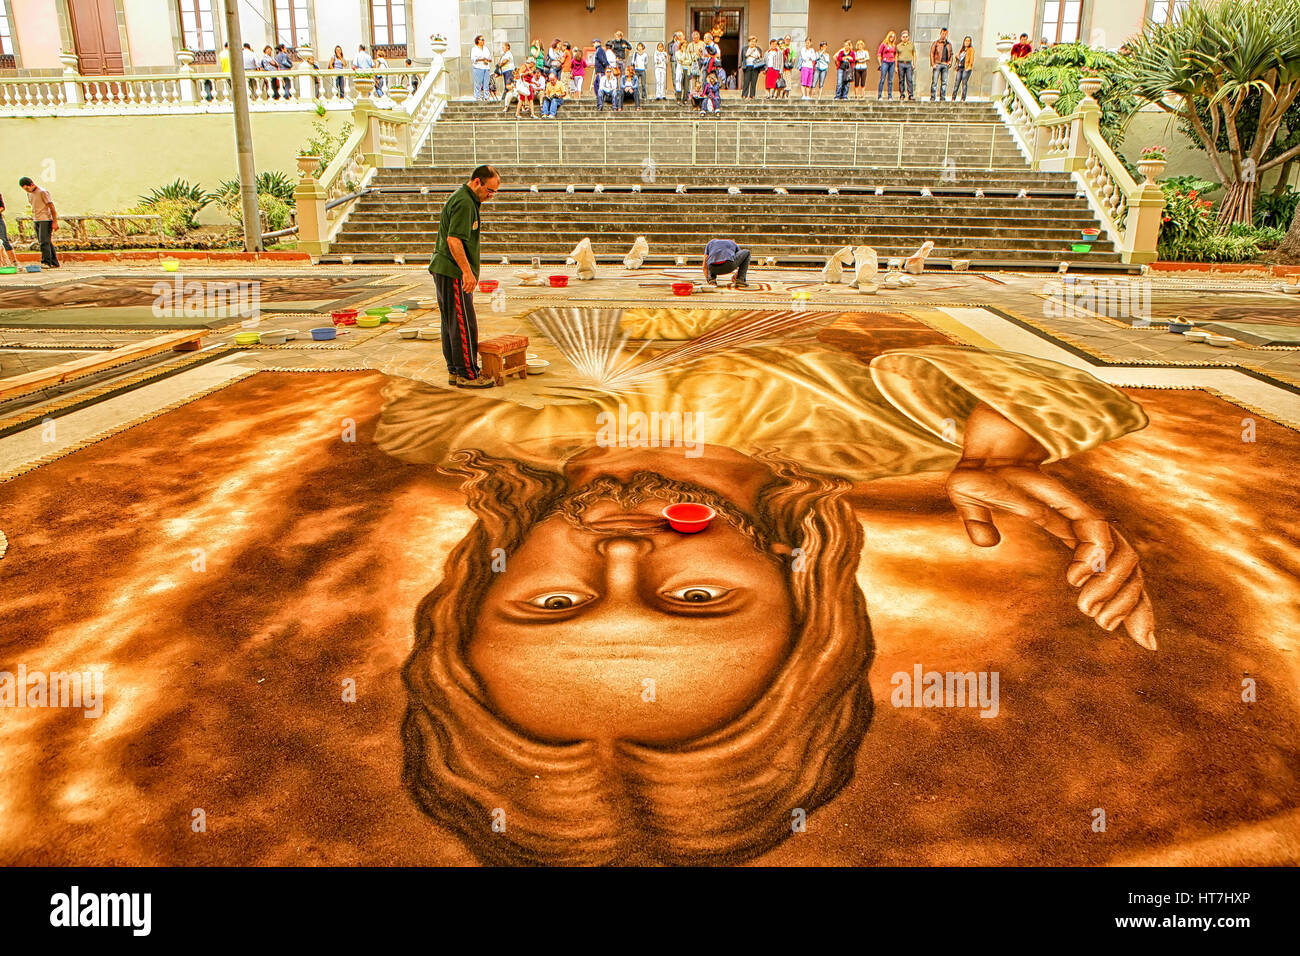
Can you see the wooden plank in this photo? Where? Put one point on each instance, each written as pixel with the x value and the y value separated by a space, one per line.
pixel 183 341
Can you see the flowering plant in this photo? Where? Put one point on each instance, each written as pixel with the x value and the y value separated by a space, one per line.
pixel 1155 152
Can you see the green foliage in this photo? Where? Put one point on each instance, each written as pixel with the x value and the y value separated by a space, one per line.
pixel 275 209
pixel 1279 210
pixel 1188 184
pixel 178 215
pixel 178 203
pixel 325 144
pixel 1188 230
pixel 179 190
pixel 1060 67
pixel 1266 237
pixel 270 182
pixel 1234 69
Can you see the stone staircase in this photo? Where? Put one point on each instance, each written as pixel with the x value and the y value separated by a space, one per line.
pixel 640 160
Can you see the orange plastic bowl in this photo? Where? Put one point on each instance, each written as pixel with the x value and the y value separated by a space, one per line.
pixel 488 285
pixel 688 517
pixel 683 288
pixel 559 282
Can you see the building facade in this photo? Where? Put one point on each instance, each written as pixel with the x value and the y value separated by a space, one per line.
pixel 130 36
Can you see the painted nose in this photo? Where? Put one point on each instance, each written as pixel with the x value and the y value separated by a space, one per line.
pixel 622 555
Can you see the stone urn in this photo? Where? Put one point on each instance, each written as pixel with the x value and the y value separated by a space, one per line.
pixel 365 87
pixel 1004 48
pixel 1151 167
pixel 306 52
pixel 70 62
pixel 1048 98
pixel 185 58
pixel 1090 86
pixel 307 165
pixel 438 46
pixel 398 94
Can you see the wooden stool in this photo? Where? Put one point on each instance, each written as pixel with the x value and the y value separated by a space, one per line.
pixel 503 356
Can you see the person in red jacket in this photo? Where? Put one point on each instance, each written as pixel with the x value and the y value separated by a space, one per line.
pixel 1023 48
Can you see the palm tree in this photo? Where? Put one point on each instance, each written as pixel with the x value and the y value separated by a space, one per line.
pixel 1208 62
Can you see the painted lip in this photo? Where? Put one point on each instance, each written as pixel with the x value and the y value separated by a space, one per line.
pixel 629 521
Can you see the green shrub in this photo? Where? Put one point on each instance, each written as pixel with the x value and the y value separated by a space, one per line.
pixel 1276 210
pixel 181 191
pixel 1060 67
pixel 1188 230
pixel 270 182
pixel 178 215
pixel 1266 237
pixel 325 144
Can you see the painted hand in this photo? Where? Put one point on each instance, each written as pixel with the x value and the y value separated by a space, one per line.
pixel 999 471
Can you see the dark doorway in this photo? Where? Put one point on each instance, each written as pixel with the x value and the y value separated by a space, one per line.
pixel 729 21
pixel 94 27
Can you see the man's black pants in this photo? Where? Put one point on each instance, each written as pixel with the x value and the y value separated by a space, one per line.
pixel 739 265
pixel 45 236
pixel 459 326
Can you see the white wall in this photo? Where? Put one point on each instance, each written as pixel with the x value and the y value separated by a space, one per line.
pixel 338 23
pixel 1011 16
pixel 149 33
pixel 435 16
pixel 1114 21
pixel 35 25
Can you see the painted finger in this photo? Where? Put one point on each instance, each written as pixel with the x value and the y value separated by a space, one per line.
pixel 1141 623
pixel 1100 576
pixel 1111 614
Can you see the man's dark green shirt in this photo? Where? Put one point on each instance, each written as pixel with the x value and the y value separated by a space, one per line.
pixel 460 219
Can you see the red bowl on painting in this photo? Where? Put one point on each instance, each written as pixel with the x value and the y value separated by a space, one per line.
pixel 688 517
pixel 559 282
pixel 344 316
pixel 683 288
pixel 488 285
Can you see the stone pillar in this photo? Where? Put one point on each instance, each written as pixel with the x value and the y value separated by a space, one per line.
pixel 510 25
pixel 647 22
pixel 313 224
pixel 788 16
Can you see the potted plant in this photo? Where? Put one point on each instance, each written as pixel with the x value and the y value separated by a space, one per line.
pixel 1005 42
pixel 1049 97
pixel 365 85
pixel 398 94
pixel 308 164
pixel 439 43
pixel 1153 161
pixel 1090 83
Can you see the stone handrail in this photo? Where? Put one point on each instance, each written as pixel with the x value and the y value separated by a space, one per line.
pixel 1129 211
pixel 427 103
pixel 191 91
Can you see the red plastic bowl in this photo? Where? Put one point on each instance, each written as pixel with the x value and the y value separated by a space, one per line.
pixel 344 316
pixel 559 282
pixel 488 285
pixel 688 517
pixel 683 288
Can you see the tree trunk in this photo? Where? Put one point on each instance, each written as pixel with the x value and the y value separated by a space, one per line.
pixel 1289 251
pixel 1238 204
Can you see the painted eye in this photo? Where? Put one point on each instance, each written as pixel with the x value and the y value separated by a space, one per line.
pixel 557 600
pixel 698 594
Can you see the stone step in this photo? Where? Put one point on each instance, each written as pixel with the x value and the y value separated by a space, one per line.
pixel 504 242
pixel 710 208
pixel 979 256
pixel 587 174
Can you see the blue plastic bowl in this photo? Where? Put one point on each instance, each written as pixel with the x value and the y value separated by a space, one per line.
pixel 324 334
pixel 33 268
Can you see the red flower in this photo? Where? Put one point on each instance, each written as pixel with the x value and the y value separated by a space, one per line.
pixel 1192 194
pixel 1166 218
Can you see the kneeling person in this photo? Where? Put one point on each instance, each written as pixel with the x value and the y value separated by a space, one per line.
pixel 722 256
pixel 455 269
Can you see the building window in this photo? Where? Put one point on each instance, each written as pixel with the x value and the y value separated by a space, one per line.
pixel 388 27
pixel 197 33
pixel 291 26
pixel 6 40
pixel 1061 20
pixel 1165 11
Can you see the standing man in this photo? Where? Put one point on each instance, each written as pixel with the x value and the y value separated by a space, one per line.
pixel 940 57
pixel 46 218
pixel 621 49
pixel 722 256
pixel 455 269
pixel 905 55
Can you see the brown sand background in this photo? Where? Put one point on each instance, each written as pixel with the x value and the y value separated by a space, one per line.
pixel 224 686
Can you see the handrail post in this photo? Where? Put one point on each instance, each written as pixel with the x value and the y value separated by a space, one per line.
pixel 313 225
pixel 1145 209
